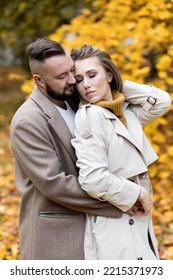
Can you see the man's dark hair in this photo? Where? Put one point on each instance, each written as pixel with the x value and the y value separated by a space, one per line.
pixel 44 48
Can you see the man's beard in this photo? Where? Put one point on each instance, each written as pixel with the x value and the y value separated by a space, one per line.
pixel 57 95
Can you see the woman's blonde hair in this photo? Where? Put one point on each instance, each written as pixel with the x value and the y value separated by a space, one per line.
pixel 87 51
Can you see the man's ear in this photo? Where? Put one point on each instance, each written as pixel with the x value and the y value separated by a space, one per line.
pixel 38 80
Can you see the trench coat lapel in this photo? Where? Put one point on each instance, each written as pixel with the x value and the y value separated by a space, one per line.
pixel 121 130
pixel 55 120
pixel 134 131
pixel 130 133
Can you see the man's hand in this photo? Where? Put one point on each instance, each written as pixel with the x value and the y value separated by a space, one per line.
pixel 143 205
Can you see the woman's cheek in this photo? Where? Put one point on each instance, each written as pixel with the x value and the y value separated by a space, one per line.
pixel 79 89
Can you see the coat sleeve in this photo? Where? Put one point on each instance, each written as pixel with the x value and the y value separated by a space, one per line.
pixel 91 145
pixel 147 102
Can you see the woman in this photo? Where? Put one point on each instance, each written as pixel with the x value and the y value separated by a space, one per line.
pixel 113 155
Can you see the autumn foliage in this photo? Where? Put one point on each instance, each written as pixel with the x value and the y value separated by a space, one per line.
pixel 138 35
pixel 11 97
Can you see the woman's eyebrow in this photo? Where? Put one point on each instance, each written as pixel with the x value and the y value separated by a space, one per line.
pixel 90 70
pixel 86 72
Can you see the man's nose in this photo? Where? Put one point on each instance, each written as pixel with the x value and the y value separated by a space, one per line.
pixel 71 79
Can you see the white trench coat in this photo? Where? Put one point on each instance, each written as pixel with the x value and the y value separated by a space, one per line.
pixel 113 163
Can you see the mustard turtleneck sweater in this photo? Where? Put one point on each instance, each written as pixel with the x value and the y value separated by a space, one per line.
pixel 115 105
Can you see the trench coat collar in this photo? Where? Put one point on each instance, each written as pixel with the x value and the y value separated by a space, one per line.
pixel 55 120
pixel 130 133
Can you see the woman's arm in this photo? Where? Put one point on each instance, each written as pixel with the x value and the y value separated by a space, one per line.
pixel 94 176
pixel 147 102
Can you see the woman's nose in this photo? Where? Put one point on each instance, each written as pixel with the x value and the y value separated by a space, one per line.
pixel 86 83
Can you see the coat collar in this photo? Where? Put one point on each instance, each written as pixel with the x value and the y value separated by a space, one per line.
pixel 56 120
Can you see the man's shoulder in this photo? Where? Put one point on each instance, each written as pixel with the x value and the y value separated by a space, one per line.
pixel 28 112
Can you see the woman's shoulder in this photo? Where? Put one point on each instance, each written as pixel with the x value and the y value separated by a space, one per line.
pixel 88 110
pixel 87 116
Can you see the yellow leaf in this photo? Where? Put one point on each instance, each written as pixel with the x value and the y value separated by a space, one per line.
pixel 2 254
pixel 163 158
pixel 168 253
pixel 162 74
pixel 15 249
pixel 170 151
pixel 14 76
pixel 27 86
pixel 169 80
pixel 167 217
pixel 164 62
pixel 153 171
pixel 157 229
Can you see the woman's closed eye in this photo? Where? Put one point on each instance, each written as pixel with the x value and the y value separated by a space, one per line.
pixel 92 75
pixel 80 79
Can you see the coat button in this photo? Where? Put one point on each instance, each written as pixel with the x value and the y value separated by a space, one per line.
pixel 140 258
pixel 131 221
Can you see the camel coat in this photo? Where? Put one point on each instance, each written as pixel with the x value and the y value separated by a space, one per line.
pixel 53 205
pixel 113 162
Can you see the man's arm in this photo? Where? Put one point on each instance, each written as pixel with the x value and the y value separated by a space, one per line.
pixel 33 149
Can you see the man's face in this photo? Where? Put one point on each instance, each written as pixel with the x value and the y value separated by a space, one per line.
pixel 58 76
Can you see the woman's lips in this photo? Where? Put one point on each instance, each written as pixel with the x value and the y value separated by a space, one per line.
pixel 88 93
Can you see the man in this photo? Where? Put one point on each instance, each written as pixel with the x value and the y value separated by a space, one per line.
pixel 53 205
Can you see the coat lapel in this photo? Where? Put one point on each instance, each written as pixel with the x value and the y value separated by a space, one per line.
pixel 56 121
pixel 135 131
pixel 130 133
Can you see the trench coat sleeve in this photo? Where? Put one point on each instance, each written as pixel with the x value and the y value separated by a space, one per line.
pixel 147 102
pixel 92 160
pixel 42 168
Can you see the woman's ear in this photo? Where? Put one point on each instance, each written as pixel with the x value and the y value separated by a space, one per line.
pixel 110 77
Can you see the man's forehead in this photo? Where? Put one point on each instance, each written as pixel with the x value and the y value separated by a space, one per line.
pixel 64 61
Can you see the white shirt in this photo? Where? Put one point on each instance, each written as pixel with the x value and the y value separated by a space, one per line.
pixel 68 115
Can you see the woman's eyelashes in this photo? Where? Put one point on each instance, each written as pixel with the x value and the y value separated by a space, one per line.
pixel 80 79
pixel 92 75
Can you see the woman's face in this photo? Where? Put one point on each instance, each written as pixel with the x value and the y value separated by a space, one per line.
pixel 92 81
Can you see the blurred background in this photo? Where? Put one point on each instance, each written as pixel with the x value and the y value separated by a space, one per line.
pixel 138 34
